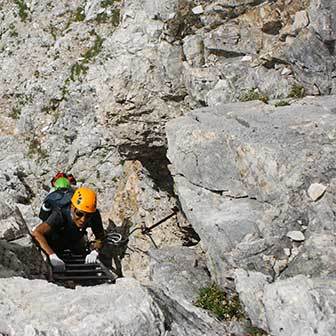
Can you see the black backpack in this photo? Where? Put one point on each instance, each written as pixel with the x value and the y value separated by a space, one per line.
pixel 56 199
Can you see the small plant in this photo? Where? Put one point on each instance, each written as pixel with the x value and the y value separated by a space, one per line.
pixel 76 16
pixel 77 70
pixel 94 50
pixel 254 331
pixel 253 94
pixel 113 18
pixel 35 149
pixel 15 113
pixel 23 9
pixel 297 91
pixel 53 31
pixel 215 300
pixel 12 30
pixel 79 14
pixel 81 68
pixel 281 103
pixel 106 3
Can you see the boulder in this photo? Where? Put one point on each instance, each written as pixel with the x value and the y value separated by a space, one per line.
pixel 126 308
pixel 241 173
pixel 301 306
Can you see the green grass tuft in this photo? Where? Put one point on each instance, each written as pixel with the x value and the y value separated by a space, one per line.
pixel 23 9
pixel 253 94
pixel 214 299
pixel 15 113
pixel 281 103
pixel 92 52
pixel 297 91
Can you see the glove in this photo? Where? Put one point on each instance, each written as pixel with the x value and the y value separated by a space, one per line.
pixel 57 263
pixel 92 257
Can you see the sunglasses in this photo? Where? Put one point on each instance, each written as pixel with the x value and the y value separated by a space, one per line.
pixel 80 214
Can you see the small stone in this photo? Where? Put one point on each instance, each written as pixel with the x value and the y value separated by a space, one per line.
pixel 301 20
pixel 279 266
pixel 286 71
pixel 296 236
pixel 316 190
pixel 247 58
pixel 171 16
pixel 287 251
pixel 198 10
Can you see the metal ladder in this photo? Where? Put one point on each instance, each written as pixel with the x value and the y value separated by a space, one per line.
pixel 76 271
pixel 79 273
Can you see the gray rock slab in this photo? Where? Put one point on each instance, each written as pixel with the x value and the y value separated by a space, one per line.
pixel 34 307
pixel 301 306
pixel 250 287
pixel 220 222
pixel 242 171
pixel 263 151
pixel 20 258
pixel 322 19
pixel 308 49
pixel 123 309
pixel 317 258
pixel 179 271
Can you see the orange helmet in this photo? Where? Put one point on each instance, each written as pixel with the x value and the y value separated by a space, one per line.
pixel 84 199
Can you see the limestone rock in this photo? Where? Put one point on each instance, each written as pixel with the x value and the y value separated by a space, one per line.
pixel 179 271
pixel 300 306
pixel 316 259
pixel 316 191
pixel 250 286
pixel 126 308
pixel 251 150
pixel 296 236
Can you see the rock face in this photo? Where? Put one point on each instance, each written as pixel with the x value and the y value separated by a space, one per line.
pixel 289 307
pixel 242 174
pixel 35 307
pixel 88 84
pixel 104 77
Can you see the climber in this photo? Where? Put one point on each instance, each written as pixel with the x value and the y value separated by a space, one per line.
pixel 66 226
pixel 60 195
pixel 59 175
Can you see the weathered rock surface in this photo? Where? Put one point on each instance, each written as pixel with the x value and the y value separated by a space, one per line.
pixel 295 306
pixel 180 271
pixel 86 84
pixel 242 172
pixel 126 308
pixel 103 78
pixel 20 259
pixel 250 154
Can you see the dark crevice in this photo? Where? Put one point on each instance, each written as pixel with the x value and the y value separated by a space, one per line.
pixel 177 98
pixel 272 28
pixel 190 236
pixel 270 64
pixel 23 199
pixel 155 161
pixel 160 174
pixel 226 53
pixel 330 46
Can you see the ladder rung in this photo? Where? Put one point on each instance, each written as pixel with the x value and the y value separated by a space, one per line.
pixel 80 277
pixel 73 259
pixel 82 265
pixel 94 271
